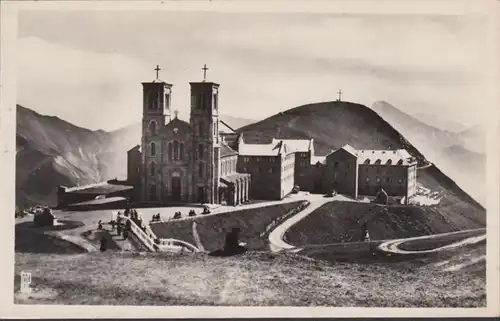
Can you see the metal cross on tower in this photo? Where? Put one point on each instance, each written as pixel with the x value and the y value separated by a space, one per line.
pixel 340 95
pixel 204 72
pixel 157 71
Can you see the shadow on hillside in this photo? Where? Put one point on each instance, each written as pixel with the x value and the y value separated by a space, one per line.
pixel 98 235
pixel 222 253
pixel 27 240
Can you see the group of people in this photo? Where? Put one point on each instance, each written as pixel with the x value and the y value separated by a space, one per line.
pixel 178 214
pixel 156 218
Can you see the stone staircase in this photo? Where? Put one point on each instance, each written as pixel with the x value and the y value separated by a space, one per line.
pixel 146 240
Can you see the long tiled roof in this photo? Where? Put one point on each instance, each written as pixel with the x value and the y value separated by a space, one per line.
pixel 299 145
pixel 273 149
pixel 385 157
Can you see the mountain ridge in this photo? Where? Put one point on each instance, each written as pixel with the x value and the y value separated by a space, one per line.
pixel 85 156
pixel 467 166
pixel 51 152
pixel 333 124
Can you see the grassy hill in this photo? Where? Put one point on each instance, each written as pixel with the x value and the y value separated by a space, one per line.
pixel 252 279
pixel 212 229
pixel 340 222
pixel 333 124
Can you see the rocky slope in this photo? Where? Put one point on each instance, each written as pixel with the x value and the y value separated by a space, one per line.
pixel 52 152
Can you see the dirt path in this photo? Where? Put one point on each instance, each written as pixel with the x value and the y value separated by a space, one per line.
pixel 393 246
pixel 276 242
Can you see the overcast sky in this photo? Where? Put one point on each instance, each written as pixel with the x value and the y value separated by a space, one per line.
pixel 87 67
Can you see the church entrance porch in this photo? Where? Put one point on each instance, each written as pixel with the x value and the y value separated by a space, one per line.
pixel 238 186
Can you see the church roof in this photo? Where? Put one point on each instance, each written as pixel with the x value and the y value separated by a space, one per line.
pixel 225 128
pixel 299 145
pixel 178 125
pixel 135 148
pixel 226 151
pixel 385 157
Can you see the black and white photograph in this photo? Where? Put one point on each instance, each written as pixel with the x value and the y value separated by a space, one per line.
pixel 207 155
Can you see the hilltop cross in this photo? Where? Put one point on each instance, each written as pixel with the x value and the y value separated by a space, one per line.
pixel 157 71
pixel 204 72
pixel 340 95
pixel 176 113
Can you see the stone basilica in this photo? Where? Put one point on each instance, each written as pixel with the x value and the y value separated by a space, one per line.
pixel 181 162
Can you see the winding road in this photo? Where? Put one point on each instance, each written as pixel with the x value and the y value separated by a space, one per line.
pixel 456 239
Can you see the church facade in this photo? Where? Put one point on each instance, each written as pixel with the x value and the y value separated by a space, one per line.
pixel 184 162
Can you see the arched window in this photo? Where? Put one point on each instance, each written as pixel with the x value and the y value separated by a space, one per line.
pixel 170 152
pixel 200 128
pixel 200 170
pixel 202 101
pixel 153 100
pixel 181 151
pixel 167 100
pixel 200 151
pixel 215 101
pixel 153 149
pixel 152 128
pixel 152 169
pixel 176 150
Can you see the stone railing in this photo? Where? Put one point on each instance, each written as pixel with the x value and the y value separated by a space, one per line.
pixel 141 235
pixel 174 245
pixel 148 237
pixel 284 217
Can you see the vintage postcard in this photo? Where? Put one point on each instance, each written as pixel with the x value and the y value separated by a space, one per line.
pixel 238 159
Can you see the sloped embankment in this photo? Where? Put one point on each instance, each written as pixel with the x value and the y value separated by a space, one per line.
pixel 337 222
pixel 212 228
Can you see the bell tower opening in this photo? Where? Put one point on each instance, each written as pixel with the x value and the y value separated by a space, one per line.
pixel 156 112
pixel 204 119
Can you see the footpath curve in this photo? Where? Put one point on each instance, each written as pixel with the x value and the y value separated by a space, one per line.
pixel 276 243
pixel 393 246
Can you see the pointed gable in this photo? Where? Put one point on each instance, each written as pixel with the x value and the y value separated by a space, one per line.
pixel 226 151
